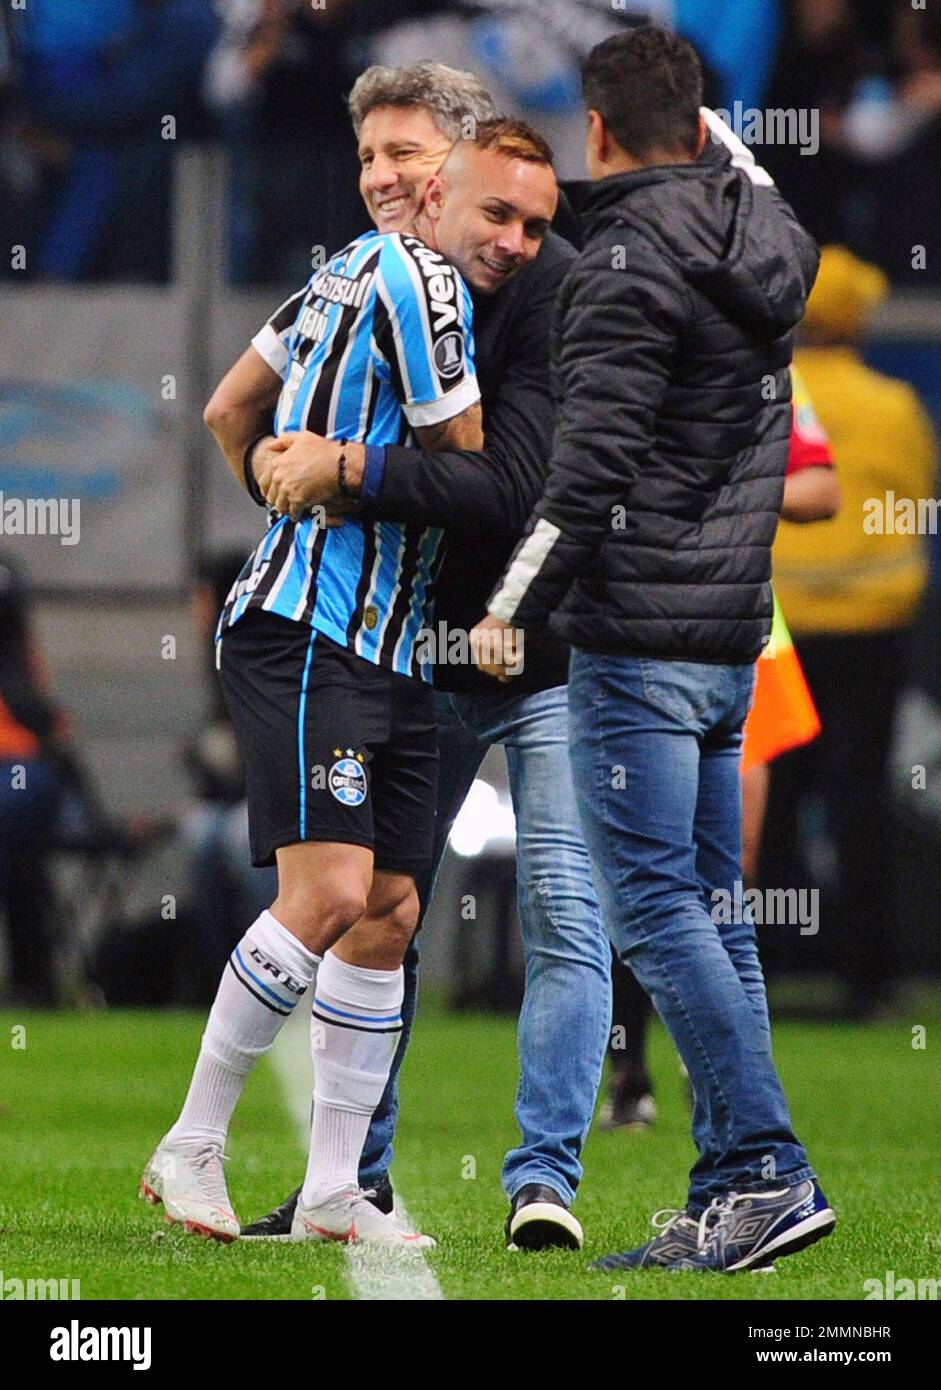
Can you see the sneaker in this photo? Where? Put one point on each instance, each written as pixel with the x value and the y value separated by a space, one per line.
pixel 351 1219
pixel 678 1236
pixel 539 1219
pixel 276 1224
pixel 628 1112
pixel 751 1227
pixel 191 1185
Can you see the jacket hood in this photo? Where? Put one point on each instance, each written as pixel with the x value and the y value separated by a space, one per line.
pixel 737 242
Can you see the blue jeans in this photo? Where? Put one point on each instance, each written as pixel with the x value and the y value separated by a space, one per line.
pixel 656 751
pixel 566 1013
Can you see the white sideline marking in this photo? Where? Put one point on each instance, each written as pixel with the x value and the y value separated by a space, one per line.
pixel 375 1274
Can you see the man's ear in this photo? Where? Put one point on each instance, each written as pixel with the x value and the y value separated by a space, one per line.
pixel 702 136
pixel 599 143
pixel 433 198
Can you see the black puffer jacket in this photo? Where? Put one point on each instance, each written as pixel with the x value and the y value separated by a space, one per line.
pixel 671 354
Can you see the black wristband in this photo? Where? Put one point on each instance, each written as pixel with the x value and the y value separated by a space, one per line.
pixel 251 482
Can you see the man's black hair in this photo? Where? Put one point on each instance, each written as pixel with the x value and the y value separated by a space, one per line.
pixel 647 87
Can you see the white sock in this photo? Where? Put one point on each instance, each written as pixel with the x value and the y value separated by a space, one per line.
pixel 356 1021
pixel 266 975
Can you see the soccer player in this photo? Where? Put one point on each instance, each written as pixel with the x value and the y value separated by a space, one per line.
pixel 652 544
pixel 403 117
pixel 320 669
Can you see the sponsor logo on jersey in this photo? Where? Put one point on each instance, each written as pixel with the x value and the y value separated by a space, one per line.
pixel 340 289
pixel 439 281
pixel 313 324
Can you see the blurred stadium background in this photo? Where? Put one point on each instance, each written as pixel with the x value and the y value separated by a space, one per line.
pixel 168 168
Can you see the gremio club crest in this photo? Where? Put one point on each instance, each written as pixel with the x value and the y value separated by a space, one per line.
pixel 347 778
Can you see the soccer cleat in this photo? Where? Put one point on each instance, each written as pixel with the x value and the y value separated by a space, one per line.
pixel 276 1224
pixel 749 1228
pixel 539 1219
pixel 191 1185
pixel 350 1218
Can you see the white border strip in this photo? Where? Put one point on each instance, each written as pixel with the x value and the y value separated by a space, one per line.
pixel 530 558
pixel 375 1274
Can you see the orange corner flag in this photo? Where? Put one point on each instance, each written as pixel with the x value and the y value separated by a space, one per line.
pixel 783 715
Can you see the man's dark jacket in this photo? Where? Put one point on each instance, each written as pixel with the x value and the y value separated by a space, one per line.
pixel 671 354
pixel 484 500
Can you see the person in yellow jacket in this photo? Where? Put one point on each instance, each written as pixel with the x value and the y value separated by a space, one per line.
pixel 851 588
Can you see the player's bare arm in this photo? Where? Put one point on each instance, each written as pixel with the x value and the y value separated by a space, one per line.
pixel 241 407
pixel 464 431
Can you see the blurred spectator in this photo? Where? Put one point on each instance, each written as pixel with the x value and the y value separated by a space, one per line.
pixel 251 33
pixel 893 124
pixel 850 588
pixel 225 891
pixel 823 56
pixel 97 84
pixel 276 84
pixel 489 36
pixel 49 809
pixel 31 789
pixel 86 176
pixel 875 183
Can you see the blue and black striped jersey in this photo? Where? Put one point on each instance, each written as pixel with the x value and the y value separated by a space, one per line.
pixel 380 341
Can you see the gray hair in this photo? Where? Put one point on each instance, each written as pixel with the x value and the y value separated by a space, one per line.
pixel 449 95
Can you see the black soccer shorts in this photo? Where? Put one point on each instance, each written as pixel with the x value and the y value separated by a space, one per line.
pixel 335 748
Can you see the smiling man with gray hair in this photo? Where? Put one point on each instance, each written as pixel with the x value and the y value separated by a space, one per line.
pixel 454 100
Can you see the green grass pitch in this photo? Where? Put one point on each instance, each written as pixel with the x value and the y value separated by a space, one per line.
pixel 83 1102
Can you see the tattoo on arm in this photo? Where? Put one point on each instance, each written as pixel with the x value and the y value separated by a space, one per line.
pixel 464 431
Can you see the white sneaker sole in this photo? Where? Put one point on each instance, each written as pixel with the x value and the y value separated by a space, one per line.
pixel 798 1238
pixel 549 1214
